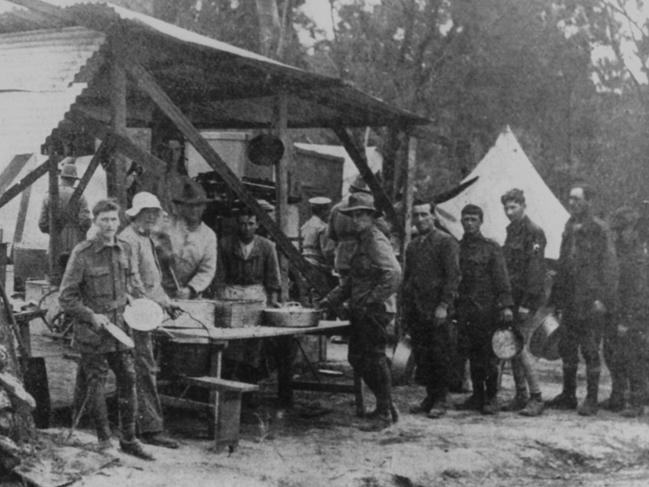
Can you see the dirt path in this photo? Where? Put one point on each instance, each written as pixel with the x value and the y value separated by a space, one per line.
pixel 318 444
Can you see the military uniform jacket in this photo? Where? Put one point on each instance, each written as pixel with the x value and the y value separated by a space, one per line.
pixel 524 251
pixel 432 273
pixel 96 280
pixel 374 274
pixel 484 288
pixel 633 290
pixel 587 268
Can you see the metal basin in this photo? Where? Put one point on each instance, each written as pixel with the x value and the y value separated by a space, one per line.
pixel 545 339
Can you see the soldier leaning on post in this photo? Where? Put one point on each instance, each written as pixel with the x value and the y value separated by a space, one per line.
pixel 626 346
pixel 94 290
pixel 524 251
pixel 374 276
pixel 584 294
pixel 430 281
pixel 484 302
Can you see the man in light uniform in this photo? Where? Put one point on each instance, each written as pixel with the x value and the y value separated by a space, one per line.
pixel 145 213
pixel 187 245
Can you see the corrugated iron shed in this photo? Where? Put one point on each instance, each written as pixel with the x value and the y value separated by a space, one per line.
pixel 216 84
pixel 41 77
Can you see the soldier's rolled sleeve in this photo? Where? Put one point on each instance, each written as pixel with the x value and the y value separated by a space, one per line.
pixel 271 270
pixel 70 296
pixel 535 271
pixel 389 277
pixel 207 266
pixel 501 279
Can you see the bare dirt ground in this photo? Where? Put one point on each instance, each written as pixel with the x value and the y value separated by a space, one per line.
pixel 317 443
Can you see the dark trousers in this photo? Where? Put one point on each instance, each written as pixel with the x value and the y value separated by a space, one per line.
pixel 95 367
pixel 475 343
pixel 627 358
pixel 581 335
pixel 433 352
pixel 366 354
pixel 149 408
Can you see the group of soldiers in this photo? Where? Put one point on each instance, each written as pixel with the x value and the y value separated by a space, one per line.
pixel 455 295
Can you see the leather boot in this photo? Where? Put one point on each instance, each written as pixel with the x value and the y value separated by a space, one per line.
pixel 567 399
pixel 424 406
pixel 589 406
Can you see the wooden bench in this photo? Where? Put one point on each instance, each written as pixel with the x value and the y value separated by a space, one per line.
pixel 226 403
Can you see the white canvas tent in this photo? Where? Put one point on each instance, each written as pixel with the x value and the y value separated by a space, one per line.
pixel 504 167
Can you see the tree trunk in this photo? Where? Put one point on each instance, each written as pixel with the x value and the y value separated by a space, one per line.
pixel 269 26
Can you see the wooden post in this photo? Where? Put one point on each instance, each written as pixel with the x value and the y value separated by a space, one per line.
pixel 382 201
pixel 19 187
pixel 54 246
pixel 408 195
pixel 148 84
pixel 280 123
pixel 117 170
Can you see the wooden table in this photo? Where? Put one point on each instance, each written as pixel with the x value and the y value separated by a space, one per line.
pixel 218 338
pixel 224 422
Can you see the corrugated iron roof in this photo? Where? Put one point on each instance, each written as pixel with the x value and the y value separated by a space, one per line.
pixel 38 82
pixel 196 69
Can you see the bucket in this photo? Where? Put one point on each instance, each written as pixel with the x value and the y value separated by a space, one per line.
pixel 545 339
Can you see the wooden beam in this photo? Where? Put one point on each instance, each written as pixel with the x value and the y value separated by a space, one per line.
pixel 29 179
pixel 121 143
pixel 383 202
pixel 104 149
pixel 12 170
pixel 22 216
pixel 54 230
pixel 280 121
pixel 148 84
pixel 117 170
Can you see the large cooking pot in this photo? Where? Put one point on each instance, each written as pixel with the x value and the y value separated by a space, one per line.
pixel 291 315
pixel 506 344
pixel 545 339
pixel 402 362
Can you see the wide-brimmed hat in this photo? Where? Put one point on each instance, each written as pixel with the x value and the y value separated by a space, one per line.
pixel 265 150
pixel 141 201
pixel 360 201
pixel 69 171
pixel 191 193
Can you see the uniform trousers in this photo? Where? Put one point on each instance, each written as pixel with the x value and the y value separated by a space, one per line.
pixel 95 367
pixel 366 353
pixel 433 352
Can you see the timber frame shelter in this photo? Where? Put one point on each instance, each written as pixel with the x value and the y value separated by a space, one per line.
pixel 145 65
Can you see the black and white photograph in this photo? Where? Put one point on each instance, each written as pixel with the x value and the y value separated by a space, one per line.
pixel 324 243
